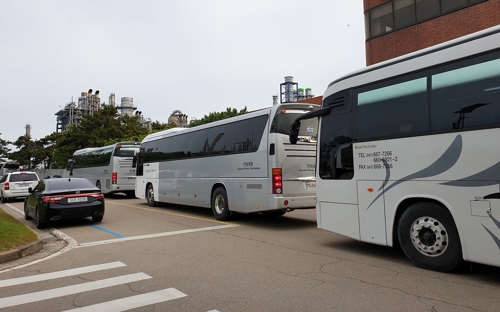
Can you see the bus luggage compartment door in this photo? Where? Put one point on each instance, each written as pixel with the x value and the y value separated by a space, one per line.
pixel 372 227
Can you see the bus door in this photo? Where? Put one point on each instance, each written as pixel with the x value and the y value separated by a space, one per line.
pixel 335 168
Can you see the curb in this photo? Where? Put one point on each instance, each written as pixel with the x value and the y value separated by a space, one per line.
pixel 29 249
pixel 20 252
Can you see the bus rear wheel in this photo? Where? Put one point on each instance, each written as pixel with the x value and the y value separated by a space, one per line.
pixel 150 196
pixel 429 237
pixel 220 207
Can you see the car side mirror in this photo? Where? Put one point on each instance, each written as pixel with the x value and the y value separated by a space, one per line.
pixel 30 190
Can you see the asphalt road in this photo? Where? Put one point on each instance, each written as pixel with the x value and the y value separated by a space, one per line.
pixel 176 258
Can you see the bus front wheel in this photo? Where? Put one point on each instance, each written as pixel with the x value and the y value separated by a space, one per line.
pixel 220 207
pixel 429 237
pixel 150 196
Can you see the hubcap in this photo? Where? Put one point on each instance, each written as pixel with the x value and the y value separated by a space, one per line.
pixel 429 236
pixel 219 204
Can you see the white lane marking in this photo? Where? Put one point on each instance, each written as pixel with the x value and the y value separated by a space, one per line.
pixel 59 274
pixel 213 311
pixel 119 240
pixel 71 290
pixel 133 302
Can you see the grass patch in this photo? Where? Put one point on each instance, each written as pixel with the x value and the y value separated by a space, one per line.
pixel 13 233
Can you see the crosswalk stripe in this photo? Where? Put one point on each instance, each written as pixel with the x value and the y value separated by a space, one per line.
pixel 133 302
pixel 59 274
pixel 71 290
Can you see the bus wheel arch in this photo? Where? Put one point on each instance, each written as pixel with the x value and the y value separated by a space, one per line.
pixel 428 235
pixel 219 202
pixel 150 195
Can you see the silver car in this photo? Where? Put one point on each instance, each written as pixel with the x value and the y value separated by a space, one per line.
pixel 16 184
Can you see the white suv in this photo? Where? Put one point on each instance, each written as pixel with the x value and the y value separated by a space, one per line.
pixel 16 184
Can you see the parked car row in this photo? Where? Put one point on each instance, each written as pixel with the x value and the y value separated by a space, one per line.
pixel 53 198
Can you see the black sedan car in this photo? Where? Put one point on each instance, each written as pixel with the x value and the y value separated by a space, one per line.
pixel 63 198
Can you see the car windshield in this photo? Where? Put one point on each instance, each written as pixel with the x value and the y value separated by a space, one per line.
pixel 23 177
pixel 69 184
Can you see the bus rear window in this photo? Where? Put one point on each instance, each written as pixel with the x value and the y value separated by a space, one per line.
pixel 126 151
pixel 308 127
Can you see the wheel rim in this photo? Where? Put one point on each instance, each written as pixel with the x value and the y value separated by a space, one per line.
pixel 429 236
pixel 151 195
pixel 219 204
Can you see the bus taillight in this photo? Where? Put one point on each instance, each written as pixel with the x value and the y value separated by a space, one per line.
pixel 114 178
pixel 277 181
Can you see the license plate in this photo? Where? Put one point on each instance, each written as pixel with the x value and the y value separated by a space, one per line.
pixel 310 186
pixel 77 199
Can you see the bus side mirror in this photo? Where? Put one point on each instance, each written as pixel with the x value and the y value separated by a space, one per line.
pixel 294 132
pixel 134 161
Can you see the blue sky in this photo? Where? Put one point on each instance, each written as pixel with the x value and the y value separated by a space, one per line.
pixel 197 56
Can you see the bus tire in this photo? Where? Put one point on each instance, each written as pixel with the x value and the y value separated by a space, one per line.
pixel 98 184
pixel 150 195
pixel 220 207
pixel 429 237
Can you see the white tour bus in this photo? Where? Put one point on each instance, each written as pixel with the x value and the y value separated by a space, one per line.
pixel 108 167
pixel 408 151
pixel 243 164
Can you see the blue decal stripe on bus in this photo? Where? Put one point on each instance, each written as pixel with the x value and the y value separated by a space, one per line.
pixel 107 231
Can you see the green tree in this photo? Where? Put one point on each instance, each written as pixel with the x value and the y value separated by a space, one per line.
pixel 229 112
pixel 160 126
pixel 28 153
pixel 102 128
pixel 3 146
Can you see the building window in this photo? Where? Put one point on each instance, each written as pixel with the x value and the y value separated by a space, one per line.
pixel 381 20
pixel 398 14
pixel 404 13
pixel 427 9
pixel 448 6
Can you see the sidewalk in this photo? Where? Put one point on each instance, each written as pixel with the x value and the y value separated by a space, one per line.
pixel 43 237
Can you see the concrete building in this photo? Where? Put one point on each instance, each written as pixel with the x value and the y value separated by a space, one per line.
pixel 397 27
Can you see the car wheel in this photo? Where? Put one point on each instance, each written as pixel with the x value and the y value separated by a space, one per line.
pixel 150 196
pixel 4 200
pixel 39 224
pixel 429 237
pixel 97 218
pixel 26 212
pixel 220 207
